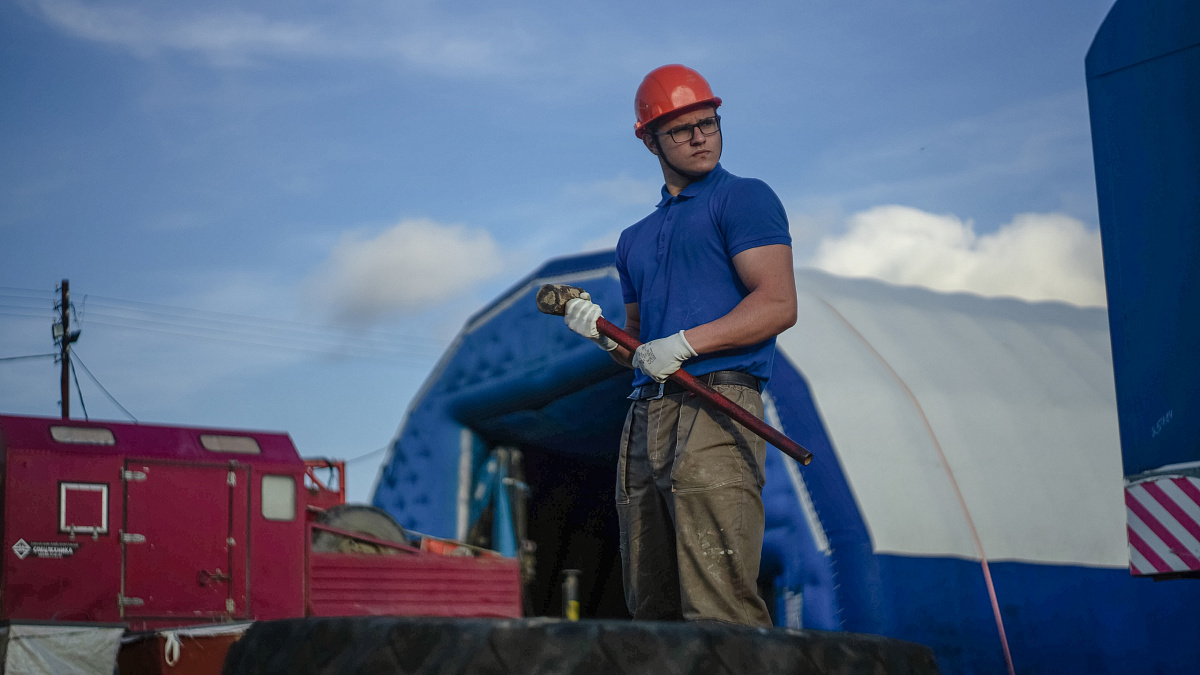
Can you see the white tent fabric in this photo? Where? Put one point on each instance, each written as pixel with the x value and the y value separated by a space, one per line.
pixel 35 649
pixel 1011 401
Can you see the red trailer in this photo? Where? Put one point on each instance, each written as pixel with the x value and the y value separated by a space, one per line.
pixel 154 526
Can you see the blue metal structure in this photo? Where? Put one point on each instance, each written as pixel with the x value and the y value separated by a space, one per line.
pixel 1143 76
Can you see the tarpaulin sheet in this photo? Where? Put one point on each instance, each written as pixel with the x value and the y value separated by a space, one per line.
pixel 187 650
pixel 365 645
pixel 60 650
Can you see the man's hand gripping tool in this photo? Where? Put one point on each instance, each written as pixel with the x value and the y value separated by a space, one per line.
pixel 553 298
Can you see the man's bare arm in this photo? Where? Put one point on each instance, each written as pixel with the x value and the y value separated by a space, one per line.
pixel 767 311
pixel 633 326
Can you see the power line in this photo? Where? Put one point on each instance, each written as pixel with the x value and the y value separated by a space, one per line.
pixel 247 321
pixel 280 344
pixel 31 356
pixel 28 313
pixel 78 390
pixel 254 332
pixel 41 302
pixel 368 455
pixel 237 328
pixel 28 291
pixel 168 313
pixel 89 374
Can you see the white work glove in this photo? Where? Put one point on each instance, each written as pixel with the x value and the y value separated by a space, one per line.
pixel 659 358
pixel 581 314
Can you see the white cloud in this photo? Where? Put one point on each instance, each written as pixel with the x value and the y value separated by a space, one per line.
pixel 411 266
pixel 1036 256
pixel 229 37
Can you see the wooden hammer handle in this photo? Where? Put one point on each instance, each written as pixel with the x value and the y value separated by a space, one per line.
pixel 712 396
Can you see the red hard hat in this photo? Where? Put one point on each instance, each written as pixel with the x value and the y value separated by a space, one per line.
pixel 667 90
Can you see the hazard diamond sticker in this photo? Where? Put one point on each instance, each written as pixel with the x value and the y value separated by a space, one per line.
pixel 21 549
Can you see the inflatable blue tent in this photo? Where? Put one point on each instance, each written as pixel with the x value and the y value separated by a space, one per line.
pixel 967 469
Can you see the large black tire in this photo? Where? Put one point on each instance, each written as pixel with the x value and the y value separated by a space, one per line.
pixel 394 645
pixel 362 519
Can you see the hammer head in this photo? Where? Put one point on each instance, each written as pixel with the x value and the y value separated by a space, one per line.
pixel 552 298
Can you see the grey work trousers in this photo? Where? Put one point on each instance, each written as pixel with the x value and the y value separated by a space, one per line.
pixel 689 501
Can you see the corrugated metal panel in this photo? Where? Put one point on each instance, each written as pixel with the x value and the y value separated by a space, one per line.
pixel 413 585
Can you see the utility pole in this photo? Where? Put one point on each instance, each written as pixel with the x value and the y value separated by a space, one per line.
pixel 64 337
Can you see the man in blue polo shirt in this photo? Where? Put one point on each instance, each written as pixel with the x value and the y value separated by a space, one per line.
pixel 708 284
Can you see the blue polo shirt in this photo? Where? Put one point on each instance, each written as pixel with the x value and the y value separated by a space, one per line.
pixel 677 263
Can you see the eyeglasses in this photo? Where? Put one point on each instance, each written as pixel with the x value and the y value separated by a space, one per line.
pixel 682 134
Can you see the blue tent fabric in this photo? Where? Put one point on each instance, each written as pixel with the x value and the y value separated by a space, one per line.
pixel 867 538
pixel 801 544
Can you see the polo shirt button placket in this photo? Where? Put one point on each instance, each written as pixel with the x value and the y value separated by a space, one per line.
pixel 664 234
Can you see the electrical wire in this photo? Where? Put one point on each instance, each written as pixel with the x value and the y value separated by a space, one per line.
pixel 268 323
pixel 238 328
pixel 368 455
pixel 211 325
pixel 78 390
pixel 254 326
pixel 31 356
pixel 244 334
pixel 238 321
pixel 345 350
pixel 28 312
pixel 75 357
pixel 27 291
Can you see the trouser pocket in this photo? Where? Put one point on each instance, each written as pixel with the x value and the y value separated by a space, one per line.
pixel 714 450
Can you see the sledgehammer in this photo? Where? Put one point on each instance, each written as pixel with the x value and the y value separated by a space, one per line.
pixel 552 299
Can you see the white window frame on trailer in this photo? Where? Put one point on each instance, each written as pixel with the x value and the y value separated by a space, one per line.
pixel 63 526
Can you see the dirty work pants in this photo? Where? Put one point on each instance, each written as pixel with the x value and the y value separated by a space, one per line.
pixel 689 500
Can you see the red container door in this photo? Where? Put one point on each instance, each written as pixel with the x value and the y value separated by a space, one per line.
pixel 184 541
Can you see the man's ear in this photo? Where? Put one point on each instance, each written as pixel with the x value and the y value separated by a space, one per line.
pixel 649 139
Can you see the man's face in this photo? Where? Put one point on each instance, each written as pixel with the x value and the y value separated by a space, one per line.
pixel 697 155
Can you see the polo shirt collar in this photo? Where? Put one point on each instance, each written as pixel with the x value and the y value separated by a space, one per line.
pixel 694 188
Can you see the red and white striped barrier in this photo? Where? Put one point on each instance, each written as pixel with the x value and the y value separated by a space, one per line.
pixel 1163 516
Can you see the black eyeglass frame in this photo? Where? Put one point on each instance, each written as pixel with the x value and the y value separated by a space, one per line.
pixel 690 129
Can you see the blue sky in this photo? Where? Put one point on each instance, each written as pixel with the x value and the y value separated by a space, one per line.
pixel 276 216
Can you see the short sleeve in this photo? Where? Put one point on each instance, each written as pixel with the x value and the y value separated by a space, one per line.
pixel 628 292
pixel 750 216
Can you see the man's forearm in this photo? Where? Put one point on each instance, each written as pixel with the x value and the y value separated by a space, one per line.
pixel 756 318
pixel 620 354
pixel 766 311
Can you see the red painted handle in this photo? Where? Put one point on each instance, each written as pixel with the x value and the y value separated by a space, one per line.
pixel 688 381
